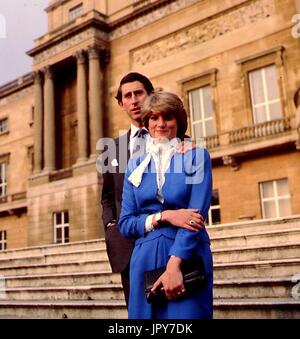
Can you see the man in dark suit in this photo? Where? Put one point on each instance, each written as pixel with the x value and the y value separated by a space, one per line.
pixel 132 91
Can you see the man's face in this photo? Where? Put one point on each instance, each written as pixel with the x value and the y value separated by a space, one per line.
pixel 133 96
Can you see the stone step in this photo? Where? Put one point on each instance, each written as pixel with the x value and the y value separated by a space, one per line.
pixel 254 226
pixel 278 237
pixel 53 249
pixel 115 309
pixel 264 308
pixel 55 309
pixel 67 267
pixel 86 292
pixel 63 279
pixel 79 255
pixel 263 252
pixel 283 287
pixel 257 269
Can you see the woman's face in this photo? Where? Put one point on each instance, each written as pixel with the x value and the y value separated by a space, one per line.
pixel 162 126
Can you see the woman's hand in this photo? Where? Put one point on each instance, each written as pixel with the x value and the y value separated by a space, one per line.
pixel 171 281
pixel 189 218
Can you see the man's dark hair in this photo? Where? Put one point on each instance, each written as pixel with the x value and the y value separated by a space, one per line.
pixel 131 77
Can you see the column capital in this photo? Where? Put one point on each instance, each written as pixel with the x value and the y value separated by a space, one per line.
pixel 80 56
pixel 94 52
pixel 105 56
pixel 48 71
pixel 37 77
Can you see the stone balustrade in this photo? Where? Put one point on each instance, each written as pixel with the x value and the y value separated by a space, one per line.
pixel 265 129
pixel 249 133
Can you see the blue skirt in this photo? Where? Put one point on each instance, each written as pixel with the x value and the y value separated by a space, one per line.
pixel 153 254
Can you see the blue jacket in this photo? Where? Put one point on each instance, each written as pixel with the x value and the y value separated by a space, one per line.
pixel 188 184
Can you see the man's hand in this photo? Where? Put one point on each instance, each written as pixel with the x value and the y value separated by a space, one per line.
pixel 186 146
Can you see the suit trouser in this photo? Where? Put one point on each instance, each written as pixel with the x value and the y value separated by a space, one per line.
pixel 125 283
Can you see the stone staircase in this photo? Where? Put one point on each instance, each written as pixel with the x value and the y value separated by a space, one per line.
pixel 60 281
pixel 256 271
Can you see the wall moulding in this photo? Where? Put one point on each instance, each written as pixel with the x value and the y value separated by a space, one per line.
pixel 238 17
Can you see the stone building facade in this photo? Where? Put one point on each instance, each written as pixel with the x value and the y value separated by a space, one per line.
pixel 235 64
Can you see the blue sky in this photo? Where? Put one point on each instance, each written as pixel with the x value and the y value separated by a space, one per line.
pixel 23 21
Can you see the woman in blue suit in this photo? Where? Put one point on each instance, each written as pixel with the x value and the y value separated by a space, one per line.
pixel 165 193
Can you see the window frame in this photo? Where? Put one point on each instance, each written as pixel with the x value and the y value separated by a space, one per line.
pixel 203 120
pixel 207 78
pixel 3 240
pixel 4 131
pixel 276 198
pixel 260 60
pixel 3 185
pixel 211 208
pixel 61 226
pixel 266 103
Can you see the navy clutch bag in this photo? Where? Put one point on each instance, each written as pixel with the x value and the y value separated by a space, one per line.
pixel 193 279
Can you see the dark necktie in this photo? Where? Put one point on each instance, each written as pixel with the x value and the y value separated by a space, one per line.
pixel 139 145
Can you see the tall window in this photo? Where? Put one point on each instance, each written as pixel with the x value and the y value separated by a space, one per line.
pixel 3 181
pixel 265 95
pixel 3 125
pixel 3 245
pixel 214 213
pixel 202 114
pixel 61 227
pixel 275 199
pixel 75 12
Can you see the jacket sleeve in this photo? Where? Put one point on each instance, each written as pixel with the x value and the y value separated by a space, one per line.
pixel 109 210
pixel 186 241
pixel 131 223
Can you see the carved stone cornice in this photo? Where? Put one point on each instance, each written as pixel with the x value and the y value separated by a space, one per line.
pixel 205 30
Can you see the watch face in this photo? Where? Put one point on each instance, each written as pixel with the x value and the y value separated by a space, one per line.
pixel 158 216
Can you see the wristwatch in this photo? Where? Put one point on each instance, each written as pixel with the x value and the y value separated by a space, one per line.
pixel 157 218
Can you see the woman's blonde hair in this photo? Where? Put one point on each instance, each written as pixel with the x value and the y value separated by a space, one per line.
pixel 165 103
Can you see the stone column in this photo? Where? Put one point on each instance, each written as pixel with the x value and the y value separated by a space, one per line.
pixel 95 98
pixel 49 121
pixel 38 122
pixel 82 107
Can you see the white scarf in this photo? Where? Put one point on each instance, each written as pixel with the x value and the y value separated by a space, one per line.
pixel 161 151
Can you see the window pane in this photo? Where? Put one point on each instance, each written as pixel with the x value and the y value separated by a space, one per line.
pixel 270 209
pixel 66 221
pixel 58 218
pixel 215 198
pixel 198 130
pixel 282 187
pixel 260 114
pixel 257 89
pixel 58 235
pixel 207 104
pixel 275 111
pixel 271 81
pixel 284 207
pixel 216 216
pixel 209 128
pixel 267 189
pixel 66 234
pixel 195 102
